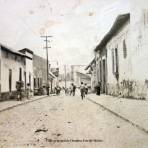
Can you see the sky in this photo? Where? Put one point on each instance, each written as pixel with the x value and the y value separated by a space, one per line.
pixel 77 26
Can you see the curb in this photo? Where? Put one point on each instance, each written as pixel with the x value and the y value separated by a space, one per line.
pixel 22 103
pixel 120 116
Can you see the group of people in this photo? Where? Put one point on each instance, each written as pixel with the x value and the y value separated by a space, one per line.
pixel 72 89
pixel 57 90
pixel 83 90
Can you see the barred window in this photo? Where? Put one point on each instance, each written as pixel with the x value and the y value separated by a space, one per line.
pixel 124 49
pixel 113 62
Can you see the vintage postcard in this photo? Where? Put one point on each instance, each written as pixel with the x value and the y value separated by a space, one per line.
pixel 73 73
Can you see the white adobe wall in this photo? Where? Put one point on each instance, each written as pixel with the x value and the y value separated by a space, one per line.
pixel 139 32
pixel 139 47
pixel 133 73
pixel 125 65
pixel 10 63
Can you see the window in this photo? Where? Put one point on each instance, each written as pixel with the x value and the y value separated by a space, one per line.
pixel 38 82
pixel 124 49
pixel 6 55
pixel 100 71
pixel 10 80
pixel 34 83
pixel 20 74
pixel 117 62
pixel 113 62
pixel 25 79
pixel 41 81
pixel 30 79
pixel 15 57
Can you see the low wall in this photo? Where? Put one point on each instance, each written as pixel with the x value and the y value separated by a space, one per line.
pixel 129 89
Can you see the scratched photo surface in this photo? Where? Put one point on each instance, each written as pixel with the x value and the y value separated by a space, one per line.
pixel 73 74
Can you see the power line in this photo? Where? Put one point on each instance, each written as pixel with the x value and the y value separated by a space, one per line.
pixel 47 47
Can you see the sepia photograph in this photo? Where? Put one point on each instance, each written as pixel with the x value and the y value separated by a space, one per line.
pixel 73 74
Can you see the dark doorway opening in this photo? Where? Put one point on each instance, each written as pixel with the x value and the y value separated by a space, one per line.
pixel 10 80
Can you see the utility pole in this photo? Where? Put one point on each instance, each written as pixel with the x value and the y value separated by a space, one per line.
pixel 47 47
pixel 65 75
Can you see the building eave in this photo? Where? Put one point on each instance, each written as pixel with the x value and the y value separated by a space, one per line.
pixel 51 74
pixel 10 50
pixel 93 61
pixel 119 23
pixel 26 49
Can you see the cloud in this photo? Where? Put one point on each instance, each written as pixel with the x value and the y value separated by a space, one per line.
pixel 76 25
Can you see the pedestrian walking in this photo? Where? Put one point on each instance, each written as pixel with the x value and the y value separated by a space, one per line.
pixel 73 89
pixel 57 90
pixel 70 89
pixel 98 88
pixel 86 88
pixel 28 90
pixel 66 91
pixel 19 87
pixel 82 90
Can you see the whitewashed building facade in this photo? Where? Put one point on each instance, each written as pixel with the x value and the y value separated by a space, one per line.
pixel 28 73
pixel 121 56
pixel 12 68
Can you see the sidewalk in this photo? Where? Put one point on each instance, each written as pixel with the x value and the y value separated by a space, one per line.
pixel 6 105
pixel 133 111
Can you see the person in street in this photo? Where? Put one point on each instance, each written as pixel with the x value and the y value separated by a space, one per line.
pixel 70 89
pixel 82 90
pixel 66 91
pixel 86 88
pixel 28 90
pixel 73 89
pixel 57 90
pixel 98 88
pixel 19 86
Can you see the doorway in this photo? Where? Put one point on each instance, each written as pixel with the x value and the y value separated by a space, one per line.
pixel 104 76
pixel 10 80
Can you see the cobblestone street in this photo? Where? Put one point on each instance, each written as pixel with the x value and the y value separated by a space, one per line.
pixel 71 121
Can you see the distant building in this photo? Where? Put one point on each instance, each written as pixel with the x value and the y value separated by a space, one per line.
pixel 81 77
pixel 71 75
pixel 91 70
pixel 40 73
pixel 12 69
